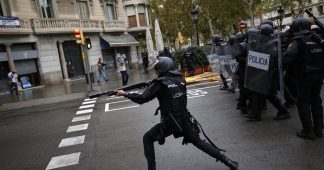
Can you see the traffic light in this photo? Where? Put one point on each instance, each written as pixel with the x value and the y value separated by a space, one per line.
pixel 78 34
pixel 88 43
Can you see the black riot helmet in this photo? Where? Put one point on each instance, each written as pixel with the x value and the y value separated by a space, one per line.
pixel 231 40
pixel 266 21
pixel 217 39
pixel 300 26
pixel 163 64
pixel 266 29
pixel 239 37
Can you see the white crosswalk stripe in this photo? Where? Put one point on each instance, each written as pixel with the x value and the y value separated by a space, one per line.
pixel 72 141
pixel 64 160
pixel 89 102
pixel 90 99
pixel 84 111
pixel 77 128
pixel 81 118
pixel 87 106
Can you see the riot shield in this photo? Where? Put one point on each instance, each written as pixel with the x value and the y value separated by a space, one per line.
pixel 261 63
pixel 221 59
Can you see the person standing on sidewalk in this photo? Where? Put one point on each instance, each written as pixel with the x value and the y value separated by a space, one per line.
pixel 101 70
pixel 14 82
pixel 122 68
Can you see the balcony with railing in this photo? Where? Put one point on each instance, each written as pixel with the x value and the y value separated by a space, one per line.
pixel 53 25
pixel 114 26
pixel 23 28
pixel 57 26
pixel 132 2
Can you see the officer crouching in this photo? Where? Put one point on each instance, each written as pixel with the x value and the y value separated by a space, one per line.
pixel 309 59
pixel 170 90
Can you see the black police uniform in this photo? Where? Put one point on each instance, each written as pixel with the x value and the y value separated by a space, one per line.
pixel 244 93
pixel 308 56
pixel 170 90
pixel 189 57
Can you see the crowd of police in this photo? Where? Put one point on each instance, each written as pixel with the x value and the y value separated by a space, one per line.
pixel 302 67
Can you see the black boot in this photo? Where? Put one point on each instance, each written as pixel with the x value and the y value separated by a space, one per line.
pixel 282 116
pixel 306 134
pixel 224 87
pixel 253 117
pixel 233 165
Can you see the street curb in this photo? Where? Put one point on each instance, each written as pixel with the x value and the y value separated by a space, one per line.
pixel 41 101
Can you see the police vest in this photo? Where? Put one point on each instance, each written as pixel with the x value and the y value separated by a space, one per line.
pixel 174 100
pixel 311 58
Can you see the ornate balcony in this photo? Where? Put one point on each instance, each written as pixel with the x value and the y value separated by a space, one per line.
pixel 54 26
pixel 24 28
pixel 114 26
pixel 57 26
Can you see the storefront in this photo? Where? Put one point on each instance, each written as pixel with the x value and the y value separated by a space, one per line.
pixel 111 45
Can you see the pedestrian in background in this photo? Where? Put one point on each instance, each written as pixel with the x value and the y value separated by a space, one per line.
pixel 122 68
pixel 101 70
pixel 14 82
pixel 145 61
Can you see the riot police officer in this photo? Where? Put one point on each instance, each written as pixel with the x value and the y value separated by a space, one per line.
pixel 170 90
pixel 188 56
pixel 308 55
pixel 241 52
pixel 217 41
pixel 257 100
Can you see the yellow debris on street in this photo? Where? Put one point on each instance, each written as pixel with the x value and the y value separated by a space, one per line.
pixel 207 76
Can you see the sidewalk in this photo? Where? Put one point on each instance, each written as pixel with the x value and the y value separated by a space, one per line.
pixel 68 91
pixel 78 89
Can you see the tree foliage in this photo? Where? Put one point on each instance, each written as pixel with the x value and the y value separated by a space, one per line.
pixel 215 16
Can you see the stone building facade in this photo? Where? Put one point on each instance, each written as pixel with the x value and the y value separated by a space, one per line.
pixel 39 44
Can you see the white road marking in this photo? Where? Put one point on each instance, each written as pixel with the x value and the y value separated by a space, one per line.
pixel 81 118
pixel 121 108
pixel 90 99
pixel 77 128
pixel 196 96
pixel 86 106
pixel 192 93
pixel 84 111
pixel 89 102
pixel 64 160
pixel 119 101
pixel 72 141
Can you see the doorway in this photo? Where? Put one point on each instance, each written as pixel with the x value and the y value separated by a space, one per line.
pixel 73 59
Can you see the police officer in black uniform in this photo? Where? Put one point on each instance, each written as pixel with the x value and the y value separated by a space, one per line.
pixel 217 41
pixel 257 100
pixel 189 58
pixel 170 90
pixel 308 55
pixel 241 52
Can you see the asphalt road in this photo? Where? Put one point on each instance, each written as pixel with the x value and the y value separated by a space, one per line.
pixel 106 133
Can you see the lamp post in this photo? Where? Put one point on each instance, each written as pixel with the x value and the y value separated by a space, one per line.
pixel 281 12
pixel 194 13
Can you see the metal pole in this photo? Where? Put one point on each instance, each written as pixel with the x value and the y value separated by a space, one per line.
pixel 87 65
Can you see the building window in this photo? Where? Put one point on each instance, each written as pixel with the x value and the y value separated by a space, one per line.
pixel 130 11
pixel 111 11
pixel 4 8
pixel 45 8
pixel 320 9
pixel 141 15
pixel 83 9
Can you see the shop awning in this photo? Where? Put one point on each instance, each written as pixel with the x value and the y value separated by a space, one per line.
pixel 120 40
